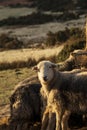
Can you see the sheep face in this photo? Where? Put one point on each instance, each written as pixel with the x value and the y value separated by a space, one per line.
pixel 45 71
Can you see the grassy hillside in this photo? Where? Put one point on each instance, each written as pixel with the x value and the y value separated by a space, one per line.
pixel 72 39
pixel 8 80
pixel 61 5
pixel 22 58
pixel 12 62
pixel 7 12
pixel 13 56
pixel 14 2
pixel 17 59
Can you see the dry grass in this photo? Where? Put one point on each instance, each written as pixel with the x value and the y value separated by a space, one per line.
pixel 26 57
pixel 25 54
pixel 3 120
pixel 81 61
pixel 8 80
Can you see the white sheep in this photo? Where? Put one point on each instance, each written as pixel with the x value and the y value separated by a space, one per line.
pixel 66 92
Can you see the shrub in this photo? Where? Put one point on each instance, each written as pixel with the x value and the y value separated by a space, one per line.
pixel 32 19
pixel 77 32
pixel 52 5
pixel 62 36
pixel 69 16
pixel 51 40
pixel 31 62
pixel 37 18
pixel 7 42
pixel 69 47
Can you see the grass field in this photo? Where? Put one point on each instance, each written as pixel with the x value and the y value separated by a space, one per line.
pixel 24 54
pixel 8 80
pixel 6 12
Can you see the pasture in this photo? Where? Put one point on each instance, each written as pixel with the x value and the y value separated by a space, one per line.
pixel 36 32
pixel 24 54
pixel 9 78
pixel 6 12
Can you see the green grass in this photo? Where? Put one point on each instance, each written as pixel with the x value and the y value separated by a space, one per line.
pixel 9 79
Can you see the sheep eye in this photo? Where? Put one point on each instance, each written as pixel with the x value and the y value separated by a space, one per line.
pixel 50 66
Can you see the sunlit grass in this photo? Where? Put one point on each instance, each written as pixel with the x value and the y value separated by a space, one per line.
pixel 24 54
pixel 8 80
pixel 26 57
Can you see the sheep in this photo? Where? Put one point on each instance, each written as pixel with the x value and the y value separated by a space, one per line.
pixel 43 92
pixel 24 99
pixel 73 61
pixel 68 65
pixel 66 93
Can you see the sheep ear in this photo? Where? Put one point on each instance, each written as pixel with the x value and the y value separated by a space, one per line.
pixel 35 68
pixel 54 65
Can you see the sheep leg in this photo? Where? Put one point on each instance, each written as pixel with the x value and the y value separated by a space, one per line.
pixel 64 122
pixel 52 121
pixel 58 119
pixel 45 119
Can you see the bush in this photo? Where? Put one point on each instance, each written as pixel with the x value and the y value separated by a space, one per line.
pixel 37 18
pixel 62 36
pixel 69 47
pixel 7 42
pixel 51 39
pixel 77 32
pixel 32 19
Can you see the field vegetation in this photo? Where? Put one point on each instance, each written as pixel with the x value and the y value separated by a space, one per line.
pixel 22 58
pixel 15 65
pixel 8 80
pixel 60 5
pixel 17 59
pixel 10 58
pixel 36 18
pixel 6 12
pixel 72 39
pixel 7 42
pixel 44 5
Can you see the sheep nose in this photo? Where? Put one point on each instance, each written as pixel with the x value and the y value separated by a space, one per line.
pixel 45 78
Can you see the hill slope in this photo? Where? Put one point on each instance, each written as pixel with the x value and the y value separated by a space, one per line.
pixel 14 2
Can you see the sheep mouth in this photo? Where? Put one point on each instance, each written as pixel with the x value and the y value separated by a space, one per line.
pixel 45 78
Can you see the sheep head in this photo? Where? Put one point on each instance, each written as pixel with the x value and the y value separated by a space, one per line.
pixel 45 71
